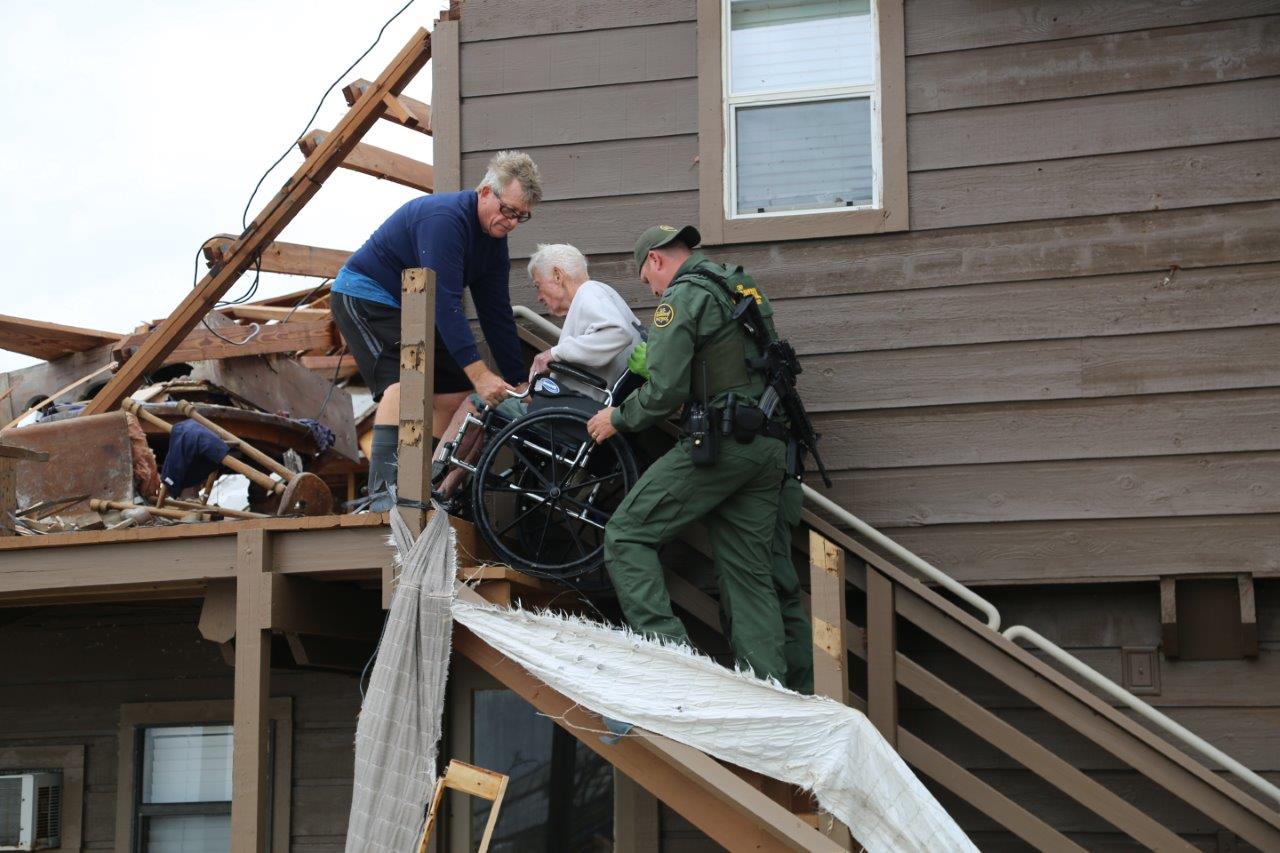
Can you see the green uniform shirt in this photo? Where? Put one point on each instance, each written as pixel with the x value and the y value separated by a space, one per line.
pixel 687 317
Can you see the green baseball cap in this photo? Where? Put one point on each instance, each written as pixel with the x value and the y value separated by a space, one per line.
pixel 660 235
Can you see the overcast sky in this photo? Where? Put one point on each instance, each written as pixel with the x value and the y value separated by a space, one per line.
pixel 134 130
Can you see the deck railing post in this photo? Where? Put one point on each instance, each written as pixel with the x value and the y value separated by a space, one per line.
pixel 830 651
pixel 882 649
pixel 417 365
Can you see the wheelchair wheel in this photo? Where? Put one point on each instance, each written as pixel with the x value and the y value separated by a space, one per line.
pixel 543 492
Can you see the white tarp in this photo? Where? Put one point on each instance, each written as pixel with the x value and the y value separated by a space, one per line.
pixel 399 726
pixel 816 743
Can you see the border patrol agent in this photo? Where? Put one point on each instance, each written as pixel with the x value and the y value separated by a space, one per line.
pixel 727 472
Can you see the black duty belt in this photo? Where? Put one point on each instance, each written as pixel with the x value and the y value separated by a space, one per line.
pixel 770 429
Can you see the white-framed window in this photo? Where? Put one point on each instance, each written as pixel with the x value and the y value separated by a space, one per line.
pixel 801 106
pixel 184 799
pixel 803 130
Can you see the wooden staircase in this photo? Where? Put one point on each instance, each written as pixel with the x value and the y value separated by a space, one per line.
pixel 848 575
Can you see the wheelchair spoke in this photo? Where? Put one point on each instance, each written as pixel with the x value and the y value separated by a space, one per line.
pixel 521 517
pixel 530 466
pixel 546 524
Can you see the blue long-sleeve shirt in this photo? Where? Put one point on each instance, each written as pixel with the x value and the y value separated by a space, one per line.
pixel 443 232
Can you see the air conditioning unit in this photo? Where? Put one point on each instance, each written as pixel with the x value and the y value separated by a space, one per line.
pixel 30 811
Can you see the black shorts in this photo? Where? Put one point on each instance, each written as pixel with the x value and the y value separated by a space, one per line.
pixel 371 331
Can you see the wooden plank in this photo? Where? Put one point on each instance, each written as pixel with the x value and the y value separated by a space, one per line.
pixel 417 359
pixel 1148 487
pixel 570 116
pixel 278 213
pixel 827 585
pixel 1043 309
pixel 378 163
pixel 1158 58
pixel 573 60
pixel 1100 124
pixel 279 314
pixel 1056 249
pixel 61 392
pixel 287 258
pixel 250 793
pixel 1102 549
pixel 982 796
pixel 1088 186
pixel 1102 428
pixel 409 112
pixel 606 169
pixel 1159 363
pixel 602 225
pixel 49 340
pixel 446 108
pixel 1078 708
pixel 329 366
pixel 1035 756
pixel 283 386
pixel 1248 614
pixel 965 24
pixel 882 656
pixel 504 19
pixel 203 344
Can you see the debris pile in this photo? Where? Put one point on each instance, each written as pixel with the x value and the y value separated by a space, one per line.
pixel 253 414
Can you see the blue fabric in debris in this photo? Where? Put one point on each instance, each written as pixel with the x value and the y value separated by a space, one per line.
pixel 194 454
pixel 320 434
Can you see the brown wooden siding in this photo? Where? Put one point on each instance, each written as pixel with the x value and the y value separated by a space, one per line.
pixel 65 672
pixel 1078 338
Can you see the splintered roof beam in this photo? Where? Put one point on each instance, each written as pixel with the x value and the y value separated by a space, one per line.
pixel 378 162
pixel 49 340
pixel 401 109
pixel 289 258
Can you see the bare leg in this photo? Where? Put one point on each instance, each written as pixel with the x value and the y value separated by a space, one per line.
pixel 388 411
pixel 468 449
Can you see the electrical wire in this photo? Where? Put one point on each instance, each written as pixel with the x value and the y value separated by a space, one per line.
pixel 244 216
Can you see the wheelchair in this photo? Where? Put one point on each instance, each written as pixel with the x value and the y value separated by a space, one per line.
pixel 541 491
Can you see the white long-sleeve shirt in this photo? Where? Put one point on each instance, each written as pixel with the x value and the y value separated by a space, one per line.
pixel 599 332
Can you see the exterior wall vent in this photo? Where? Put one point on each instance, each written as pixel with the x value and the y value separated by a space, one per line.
pixel 30 811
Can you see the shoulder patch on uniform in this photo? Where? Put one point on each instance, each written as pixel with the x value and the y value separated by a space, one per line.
pixel 752 292
pixel 664 314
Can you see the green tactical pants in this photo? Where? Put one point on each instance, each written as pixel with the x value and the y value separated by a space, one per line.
pixel 795 621
pixel 737 500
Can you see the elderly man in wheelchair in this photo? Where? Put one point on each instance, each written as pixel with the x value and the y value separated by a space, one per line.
pixel 537 488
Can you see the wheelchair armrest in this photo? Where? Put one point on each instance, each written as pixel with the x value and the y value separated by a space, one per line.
pixel 578 373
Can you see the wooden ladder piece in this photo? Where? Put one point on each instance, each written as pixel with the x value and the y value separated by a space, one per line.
pixel 472 780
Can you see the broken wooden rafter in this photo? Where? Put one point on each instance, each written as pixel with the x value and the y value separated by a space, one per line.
pixel 306 298
pixel 401 109
pixel 325 365
pixel 278 213
pixel 49 341
pixel 379 163
pixel 67 389
pixel 278 313
pixel 287 258
pixel 202 344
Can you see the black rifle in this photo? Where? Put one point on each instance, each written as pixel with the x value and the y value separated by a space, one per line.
pixel 778 362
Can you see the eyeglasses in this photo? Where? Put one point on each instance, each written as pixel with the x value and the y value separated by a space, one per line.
pixel 510 212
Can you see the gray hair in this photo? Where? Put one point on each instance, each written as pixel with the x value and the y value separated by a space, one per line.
pixel 508 166
pixel 562 255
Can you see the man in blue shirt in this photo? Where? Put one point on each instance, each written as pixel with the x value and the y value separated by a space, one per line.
pixel 463 238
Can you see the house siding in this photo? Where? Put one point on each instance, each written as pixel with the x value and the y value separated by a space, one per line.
pixel 1078 334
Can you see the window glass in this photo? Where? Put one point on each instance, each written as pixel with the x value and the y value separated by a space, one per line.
pixel 802 156
pixel 789 45
pixel 559 794
pixel 187 834
pixel 186 764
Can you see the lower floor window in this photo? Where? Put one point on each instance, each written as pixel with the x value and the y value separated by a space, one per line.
pixel 184 801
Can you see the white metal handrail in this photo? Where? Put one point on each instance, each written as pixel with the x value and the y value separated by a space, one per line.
pixel 1016 632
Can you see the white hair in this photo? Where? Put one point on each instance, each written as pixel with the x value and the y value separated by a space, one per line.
pixel 508 166
pixel 562 255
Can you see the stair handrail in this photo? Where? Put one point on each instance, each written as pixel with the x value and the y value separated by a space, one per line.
pixel 1012 633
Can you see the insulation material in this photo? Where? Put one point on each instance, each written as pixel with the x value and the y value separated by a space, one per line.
pixel 814 742
pixel 399 728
